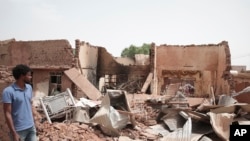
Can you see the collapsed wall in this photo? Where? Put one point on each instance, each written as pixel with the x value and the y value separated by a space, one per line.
pixel 87 60
pixel 109 68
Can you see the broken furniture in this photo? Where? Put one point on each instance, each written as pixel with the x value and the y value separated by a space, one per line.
pixel 59 105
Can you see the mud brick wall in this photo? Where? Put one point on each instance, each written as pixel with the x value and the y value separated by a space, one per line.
pixel 3 126
pixel 212 60
pixel 108 65
pixel 37 53
pixel 5 80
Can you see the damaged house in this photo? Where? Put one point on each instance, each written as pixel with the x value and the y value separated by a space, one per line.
pixel 102 69
pixel 47 59
pixel 89 71
pixel 52 61
pixel 241 83
pixel 202 67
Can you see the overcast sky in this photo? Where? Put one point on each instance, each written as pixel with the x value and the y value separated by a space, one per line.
pixel 116 24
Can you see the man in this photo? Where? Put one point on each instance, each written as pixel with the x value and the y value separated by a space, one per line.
pixel 17 105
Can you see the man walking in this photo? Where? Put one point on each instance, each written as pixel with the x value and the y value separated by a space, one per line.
pixel 17 105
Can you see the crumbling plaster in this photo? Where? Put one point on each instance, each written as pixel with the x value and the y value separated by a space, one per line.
pixel 88 56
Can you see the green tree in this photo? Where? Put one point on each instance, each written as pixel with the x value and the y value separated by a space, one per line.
pixel 132 50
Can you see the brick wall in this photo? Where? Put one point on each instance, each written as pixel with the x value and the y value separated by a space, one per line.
pixel 212 61
pixel 5 80
pixel 3 126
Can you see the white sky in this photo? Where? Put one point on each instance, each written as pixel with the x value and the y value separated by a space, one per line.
pixel 116 24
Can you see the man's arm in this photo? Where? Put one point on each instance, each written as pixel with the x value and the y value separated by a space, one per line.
pixel 7 113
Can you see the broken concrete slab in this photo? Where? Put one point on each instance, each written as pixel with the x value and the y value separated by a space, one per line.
pixel 83 83
pixel 147 83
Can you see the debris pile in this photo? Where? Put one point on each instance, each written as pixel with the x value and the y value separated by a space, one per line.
pixel 67 131
pixel 118 116
pixel 131 86
pixel 122 116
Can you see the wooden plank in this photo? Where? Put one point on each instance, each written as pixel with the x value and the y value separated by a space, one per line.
pixel 147 82
pixel 83 83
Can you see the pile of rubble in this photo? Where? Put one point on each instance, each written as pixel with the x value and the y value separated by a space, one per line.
pixel 113 119
pixel 121 116
pixel 63 131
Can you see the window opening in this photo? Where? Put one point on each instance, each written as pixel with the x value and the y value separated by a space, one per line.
pixel 55 85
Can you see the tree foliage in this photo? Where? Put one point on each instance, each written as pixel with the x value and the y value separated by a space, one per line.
pixel 132 50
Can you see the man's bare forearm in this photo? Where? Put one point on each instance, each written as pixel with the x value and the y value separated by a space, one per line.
pixel 8 117
pixel 9 121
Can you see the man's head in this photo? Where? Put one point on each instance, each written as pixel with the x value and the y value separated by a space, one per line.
pixel 22 72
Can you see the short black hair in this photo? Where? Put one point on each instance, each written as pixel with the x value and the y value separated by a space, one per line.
pixel 19 70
